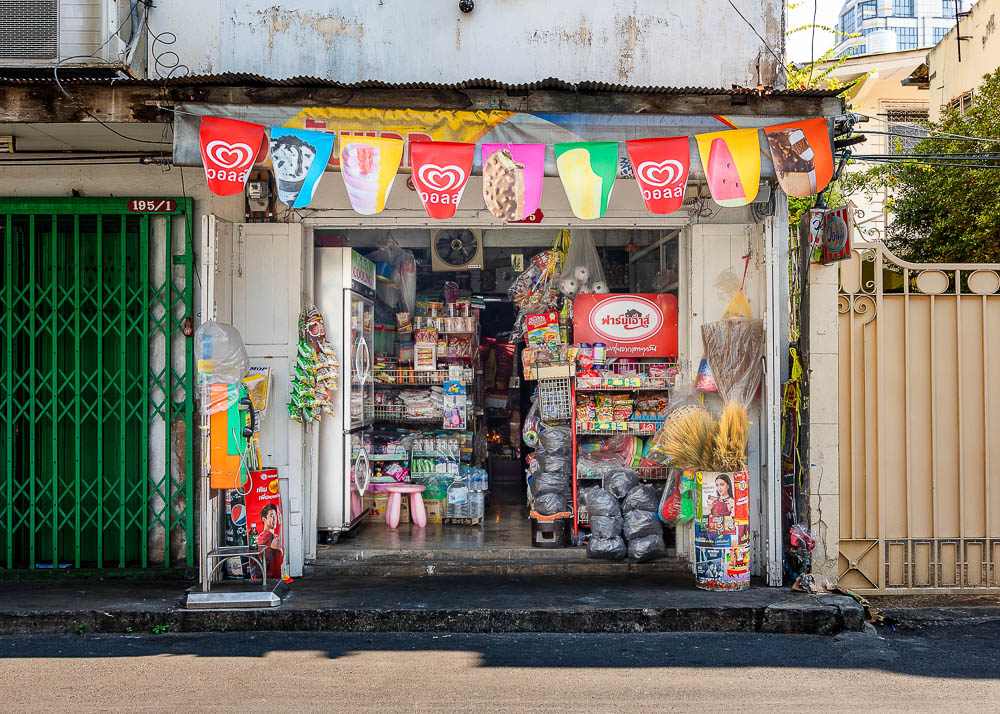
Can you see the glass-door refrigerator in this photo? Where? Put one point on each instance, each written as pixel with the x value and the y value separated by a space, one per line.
pixel 345 293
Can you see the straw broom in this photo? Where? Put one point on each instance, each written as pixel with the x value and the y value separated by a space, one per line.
pixel 730 444
pixel 688 431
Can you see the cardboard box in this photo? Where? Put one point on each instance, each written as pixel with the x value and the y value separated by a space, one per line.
pixel 435 510
pixel 380 503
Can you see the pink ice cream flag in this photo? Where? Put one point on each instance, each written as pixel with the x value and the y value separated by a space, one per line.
pixel 532 158
pixel 369 166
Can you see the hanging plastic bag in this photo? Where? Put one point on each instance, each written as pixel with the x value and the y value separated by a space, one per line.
pixel 556 463
pixel 582 271
pixel 222 362
pixel 734 346
pixel 529 432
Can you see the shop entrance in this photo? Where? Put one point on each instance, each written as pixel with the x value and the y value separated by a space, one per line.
pixel 443 314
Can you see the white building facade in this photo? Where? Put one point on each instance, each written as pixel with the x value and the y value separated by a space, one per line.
pixel 876 26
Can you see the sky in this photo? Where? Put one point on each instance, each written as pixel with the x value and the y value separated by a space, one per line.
pixel 802 14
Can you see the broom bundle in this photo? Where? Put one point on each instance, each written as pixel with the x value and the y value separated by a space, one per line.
pixel 688 436
pixel 729 447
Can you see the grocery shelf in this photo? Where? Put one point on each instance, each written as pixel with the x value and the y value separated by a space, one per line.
pixel 397 413
pixel 615 428
pixel 388 457
pixel 406 378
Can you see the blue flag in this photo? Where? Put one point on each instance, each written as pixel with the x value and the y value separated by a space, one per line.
pixel 299 158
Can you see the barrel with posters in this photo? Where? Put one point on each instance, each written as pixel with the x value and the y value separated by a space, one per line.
pixel 722 530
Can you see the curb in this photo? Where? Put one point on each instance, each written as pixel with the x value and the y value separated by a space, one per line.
pixel 824 615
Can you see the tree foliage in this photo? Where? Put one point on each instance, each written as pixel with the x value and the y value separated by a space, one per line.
pixel 946 214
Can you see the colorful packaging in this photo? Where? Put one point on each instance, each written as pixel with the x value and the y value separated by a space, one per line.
pixel 542 328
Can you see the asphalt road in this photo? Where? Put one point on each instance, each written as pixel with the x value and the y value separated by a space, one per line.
pixel 942 668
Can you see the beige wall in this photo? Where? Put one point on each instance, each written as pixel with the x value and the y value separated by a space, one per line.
pixel 824 480
pixel 949 78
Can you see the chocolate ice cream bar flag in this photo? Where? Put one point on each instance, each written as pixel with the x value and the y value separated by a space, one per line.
pixel 513 176
pixel 732 165
pixel 588 170
pixel 369 166
pixel 440 172
pixel 299 159
pixel 228 150
pixel 661 170
pixel 803 156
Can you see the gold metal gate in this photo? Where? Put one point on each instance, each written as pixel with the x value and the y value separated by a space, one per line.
pixel 919 424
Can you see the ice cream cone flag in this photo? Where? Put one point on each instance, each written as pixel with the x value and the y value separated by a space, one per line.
pixel 588 170
pixel 299 159
pixel 802 155
pixel 369 166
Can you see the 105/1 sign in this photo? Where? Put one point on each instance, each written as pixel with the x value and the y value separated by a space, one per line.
pixel 152 205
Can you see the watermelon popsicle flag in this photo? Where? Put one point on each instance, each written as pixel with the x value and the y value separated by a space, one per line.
pixel 732 165
pixel 588 170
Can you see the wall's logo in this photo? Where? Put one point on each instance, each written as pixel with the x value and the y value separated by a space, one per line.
pixel 441 178
pixel 229 156
pixel 626 319
pixel 663 173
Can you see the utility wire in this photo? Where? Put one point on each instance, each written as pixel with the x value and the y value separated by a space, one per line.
pixel 942 134
pixel 55 74
pixel 781 62
pixel 812 44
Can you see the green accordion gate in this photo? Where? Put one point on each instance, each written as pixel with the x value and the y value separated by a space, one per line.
pixel 97 395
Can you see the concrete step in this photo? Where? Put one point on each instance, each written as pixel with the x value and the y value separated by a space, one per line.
pixel 334 561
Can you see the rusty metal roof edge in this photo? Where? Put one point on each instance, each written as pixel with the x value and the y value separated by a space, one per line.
pixel 549 83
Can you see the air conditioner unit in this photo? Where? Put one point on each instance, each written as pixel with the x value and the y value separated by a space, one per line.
pixel 38 33
pixel 456 249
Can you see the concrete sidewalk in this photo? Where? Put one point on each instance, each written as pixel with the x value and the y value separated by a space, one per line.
pixel 635 603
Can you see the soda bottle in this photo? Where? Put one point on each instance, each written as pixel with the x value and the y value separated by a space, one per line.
pixel 253 535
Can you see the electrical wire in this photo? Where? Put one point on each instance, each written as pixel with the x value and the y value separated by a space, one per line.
pixel 812 44
pixel 781 62
pixel 55 74
pixel 942 134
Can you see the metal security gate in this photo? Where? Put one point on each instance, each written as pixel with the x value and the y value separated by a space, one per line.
pixel 919 435
pixel 96 397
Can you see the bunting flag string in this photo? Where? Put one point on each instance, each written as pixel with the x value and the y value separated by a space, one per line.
pixel 369 166
pixel 441 170
pixel 299 159
pixel 588 170
pixel 229 149
pixel 513 174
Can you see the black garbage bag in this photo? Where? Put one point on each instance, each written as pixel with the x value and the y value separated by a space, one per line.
pixel 621 481
pixel 607 549
pixel 641 498
pixel 549 504
pixel 641 523
pixel 646 548
pixel 550 482
pixel 602 503
pixel 557 463
pixel 554 440
pixel 605 527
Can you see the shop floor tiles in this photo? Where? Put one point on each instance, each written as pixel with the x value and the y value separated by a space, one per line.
pixel 501 545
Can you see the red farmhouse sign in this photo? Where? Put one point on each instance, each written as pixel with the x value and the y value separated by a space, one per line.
pixel 628 325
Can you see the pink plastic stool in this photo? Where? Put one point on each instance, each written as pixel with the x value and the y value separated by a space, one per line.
pixel 417 512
